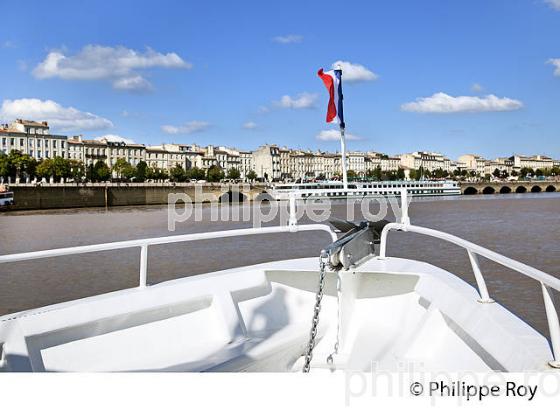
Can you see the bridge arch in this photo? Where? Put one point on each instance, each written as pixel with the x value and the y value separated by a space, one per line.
pixel 488 190
pixel 520 189
pixel 233 197
pixel 470 190
pixel 536 188
pixel 550 188
pixel 263 197
pixel 505 190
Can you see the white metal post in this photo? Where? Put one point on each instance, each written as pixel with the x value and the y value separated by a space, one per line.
pixel 553 325
pixel 343 152
pixel 480 282
pixel 404 207
pixel 143 266
pixel 292 221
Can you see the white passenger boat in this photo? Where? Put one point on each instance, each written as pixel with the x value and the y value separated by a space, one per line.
pixel 6 199
pixel 371 311
pixel 336 190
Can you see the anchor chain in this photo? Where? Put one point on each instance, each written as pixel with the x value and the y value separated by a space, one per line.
pixel 323 261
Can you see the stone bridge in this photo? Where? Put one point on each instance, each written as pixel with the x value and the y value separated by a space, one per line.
pixel 515 187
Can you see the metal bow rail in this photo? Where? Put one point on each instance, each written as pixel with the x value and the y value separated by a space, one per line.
pixel 548 282
pixel 143 244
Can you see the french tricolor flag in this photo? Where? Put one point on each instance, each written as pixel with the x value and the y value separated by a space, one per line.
pixel 333 81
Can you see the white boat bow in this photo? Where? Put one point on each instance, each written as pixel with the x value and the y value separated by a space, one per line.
pixel 381 313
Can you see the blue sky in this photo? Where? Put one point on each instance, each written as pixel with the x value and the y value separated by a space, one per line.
pixel 244 73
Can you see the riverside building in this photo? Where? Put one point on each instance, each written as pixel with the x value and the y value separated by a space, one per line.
pixel 269 162
pixel 32 138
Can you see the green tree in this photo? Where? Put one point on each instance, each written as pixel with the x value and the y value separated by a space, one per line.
pixel 195 173
pixel 77 170
pixel 539 172
pixel 4 165
pixel 16 161
pixel 233 173
pixel 123 170
pixel 61 168
pixel 156 173
pixel 526 171
pixel 496 173
pixel 214 174
pixel 45 168
pixel 19 165
pixel 400 174
pixel 119 167
pixel 177 174
pixel 101 172
pixel 351 174
pixel 128 172
pixel 438 173
pixel 141 171
pixel 251 175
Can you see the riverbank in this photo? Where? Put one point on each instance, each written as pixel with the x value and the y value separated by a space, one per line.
pixel 77 196
pixel 62 196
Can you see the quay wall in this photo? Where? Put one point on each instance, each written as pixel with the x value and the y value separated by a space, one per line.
pixel 53 197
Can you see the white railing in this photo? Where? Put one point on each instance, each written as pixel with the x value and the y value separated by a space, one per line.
pixel 548 282
pixel 143 244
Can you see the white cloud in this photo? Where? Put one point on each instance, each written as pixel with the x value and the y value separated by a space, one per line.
pixel 555 4
pixel 116 64
pixel 477 88
pixel 115 138
pixel 442 103
pixel 288 39
pixel 334 135
pixel 354 73
pixel 556 63
pixel 187 128
pixel 250 125
pixel 58 117
pixel 303 100
pixel 134 83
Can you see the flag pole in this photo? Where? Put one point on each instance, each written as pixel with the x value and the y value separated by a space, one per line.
pixel 338 71
pixel 343 150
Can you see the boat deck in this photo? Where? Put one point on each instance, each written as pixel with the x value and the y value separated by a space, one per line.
pixel 393 313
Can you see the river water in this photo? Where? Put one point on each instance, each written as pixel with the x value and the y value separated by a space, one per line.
pixel 525 227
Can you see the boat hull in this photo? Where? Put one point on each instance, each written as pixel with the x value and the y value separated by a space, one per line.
pixel 392 312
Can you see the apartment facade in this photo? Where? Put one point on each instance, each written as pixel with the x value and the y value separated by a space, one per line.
pixel 356 161
pixel 266 160
pixel 474 163
pixel 245 163
pixel 385 162
pixel 430 161
pixel 535 162
pixel 32 138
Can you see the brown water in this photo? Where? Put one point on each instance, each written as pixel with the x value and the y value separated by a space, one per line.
pixel 524 227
